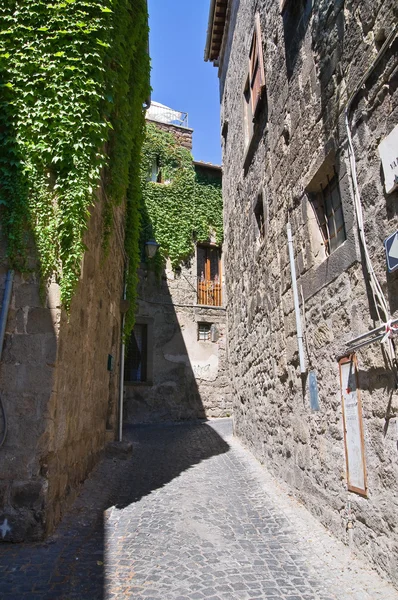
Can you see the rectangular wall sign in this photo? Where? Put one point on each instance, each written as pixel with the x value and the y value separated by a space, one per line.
pixel 353 426
pixel 388 151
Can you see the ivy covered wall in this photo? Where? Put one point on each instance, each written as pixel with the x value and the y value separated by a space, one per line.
pixel 73 77
pixel 186 206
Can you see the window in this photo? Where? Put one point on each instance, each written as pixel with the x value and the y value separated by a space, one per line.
pixel 255 83
pixel 329 212
pixel 261 218
pixel 136 363
pixel 155 174
pixel 209 275
pixel 204 332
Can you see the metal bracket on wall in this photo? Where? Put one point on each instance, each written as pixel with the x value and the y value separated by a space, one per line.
pixel 374 335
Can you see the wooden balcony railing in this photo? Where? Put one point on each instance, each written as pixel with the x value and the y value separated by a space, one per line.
pixel 209 292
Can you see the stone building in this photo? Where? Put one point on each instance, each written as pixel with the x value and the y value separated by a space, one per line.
pixel 176 361
pixel 309 110
pixel 60 371
pixel 60 397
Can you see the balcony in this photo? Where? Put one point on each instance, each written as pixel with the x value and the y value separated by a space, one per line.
pixel 209 292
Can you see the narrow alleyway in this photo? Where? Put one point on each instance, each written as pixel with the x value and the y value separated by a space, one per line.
pixel 191 515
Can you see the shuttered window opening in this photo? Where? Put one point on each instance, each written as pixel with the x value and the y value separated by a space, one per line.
pixel 257 76
pixel 136 362
pixel 254 89
pixel 208 259
pixel 329 211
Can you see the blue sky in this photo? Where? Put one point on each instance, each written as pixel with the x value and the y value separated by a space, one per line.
pixel 180 78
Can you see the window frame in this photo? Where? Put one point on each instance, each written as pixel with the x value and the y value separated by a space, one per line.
pixel 207 272
pixel 209 288
pixel 208 325
pixel 149 324
pixel 255 81
pixel 322 201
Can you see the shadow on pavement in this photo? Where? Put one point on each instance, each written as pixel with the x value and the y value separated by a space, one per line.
pixel 162 452
pixel 71 564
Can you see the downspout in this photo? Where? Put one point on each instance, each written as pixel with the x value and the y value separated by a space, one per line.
pixel 121 382
pixel 3 323
pixel 303 368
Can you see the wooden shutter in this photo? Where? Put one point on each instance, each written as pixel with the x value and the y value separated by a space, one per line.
pixel 257 75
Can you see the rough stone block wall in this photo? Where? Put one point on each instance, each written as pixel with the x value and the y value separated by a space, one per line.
pixel 189 378
pixel 183 135
pixel 61 400
pixel 297 137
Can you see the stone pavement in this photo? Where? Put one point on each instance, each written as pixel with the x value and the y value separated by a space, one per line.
pixel 192 515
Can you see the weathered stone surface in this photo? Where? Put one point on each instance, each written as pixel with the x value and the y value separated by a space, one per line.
pixel 308 83
pixel 191 515
pixel 183 135
pixel 59 396
pixel 187 378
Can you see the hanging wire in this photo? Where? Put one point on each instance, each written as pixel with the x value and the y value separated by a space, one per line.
pixel 379 299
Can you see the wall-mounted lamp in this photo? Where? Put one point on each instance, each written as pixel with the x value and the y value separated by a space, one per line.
pixel 151 247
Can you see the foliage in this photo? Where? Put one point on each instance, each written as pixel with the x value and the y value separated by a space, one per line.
pixel 74 74
pixel 186 207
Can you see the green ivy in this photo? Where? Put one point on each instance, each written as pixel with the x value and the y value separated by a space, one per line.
pixel 186 207
pixel 73 77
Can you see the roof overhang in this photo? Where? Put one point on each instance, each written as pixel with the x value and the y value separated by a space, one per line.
pixel 206 165
pixel 216 28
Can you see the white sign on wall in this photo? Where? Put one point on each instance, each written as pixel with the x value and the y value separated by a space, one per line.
pixel 388 151
pixel 353 427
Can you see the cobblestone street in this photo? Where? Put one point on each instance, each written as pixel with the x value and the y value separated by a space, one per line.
pixel 191 515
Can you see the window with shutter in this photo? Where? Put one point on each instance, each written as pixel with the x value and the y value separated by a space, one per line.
pixel 254 90
pixel 257 77
pixel 328 209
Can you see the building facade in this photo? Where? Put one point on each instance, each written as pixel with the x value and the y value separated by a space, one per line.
pixel 175 365
pixel 60 397
pixel 60 361
pixel 309 112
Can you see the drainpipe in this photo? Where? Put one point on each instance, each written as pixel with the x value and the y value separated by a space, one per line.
pixel 3 323
pixel 121 383
pixel 303 368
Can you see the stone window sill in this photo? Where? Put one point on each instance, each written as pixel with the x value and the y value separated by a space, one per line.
pixel 209 306
pixel 321 275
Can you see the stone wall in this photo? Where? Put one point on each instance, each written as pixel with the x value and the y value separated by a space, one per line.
pixel 61 400
pixel 183 135
pixel 188 378
pixel 313 62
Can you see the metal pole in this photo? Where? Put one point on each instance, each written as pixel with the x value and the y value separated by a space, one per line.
pixel 3 323
pixel 5 307
pixel 296 300
pixel 121 382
